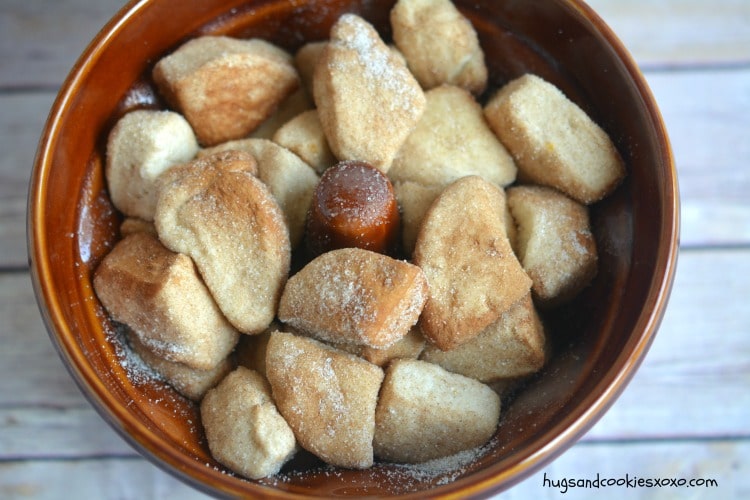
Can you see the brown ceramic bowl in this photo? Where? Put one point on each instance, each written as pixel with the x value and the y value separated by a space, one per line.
pixel 598 341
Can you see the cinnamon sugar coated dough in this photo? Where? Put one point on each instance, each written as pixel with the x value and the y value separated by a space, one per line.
pixel 409 346
pixel 511 347
pixel 142 145
pixel 327 396
pixel 354 296
pixel 232 227
pixel 414 199
pixel 225 87
pixel 368 102
pixel 305 60
pixel 244 430
pixel 290 180
pixel 472 272
pixel 452 140
pixel 553 141
pixel 425 412
pixel 350 354
pixel 188 381
pixel 440 45
pixel 304 136
pixel 290 107
pixel 161 297
pixel 555 244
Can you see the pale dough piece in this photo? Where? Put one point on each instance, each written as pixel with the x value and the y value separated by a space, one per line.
pixel 161 297
pixel 244 430
pixel 142 145
pixel 232 227
pixel 305 60
pixel 555 244
pixel 414 200
pixel 425 412
pixel 409 346
pixel 472 272
pixel 304 136
pixel 354 296
pixel 188 381
pixel 290 179
pixel 290 107
pixel 553 141
pixel 135 225
pixel 452 140
pixel 368 102
pixel 440 44
pixel 327 396
pixel 224 86
pixel 513 346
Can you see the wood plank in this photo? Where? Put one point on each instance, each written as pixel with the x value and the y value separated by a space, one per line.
pixel 31 372
pixel 671 33
pixel 694 380
pixel 40 41
pixel 47 432
pixel 109 478
pixel 727 462
pixel 698 358
pixel 21 124
pixel 705 113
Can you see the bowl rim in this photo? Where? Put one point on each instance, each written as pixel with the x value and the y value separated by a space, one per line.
pixel 552 444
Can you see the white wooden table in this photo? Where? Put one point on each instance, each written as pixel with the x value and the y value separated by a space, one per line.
pixel 685 415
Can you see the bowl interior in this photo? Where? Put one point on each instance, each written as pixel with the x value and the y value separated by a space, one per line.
pixel 598 340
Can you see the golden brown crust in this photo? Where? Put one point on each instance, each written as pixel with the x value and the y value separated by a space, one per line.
pixel 328 397
pixel 161 297
pixel 354 296
pixel 225 87
pixel 230 224
pixel 472 272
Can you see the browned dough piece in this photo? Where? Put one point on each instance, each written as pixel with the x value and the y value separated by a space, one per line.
pixel 367 100
pixel 472 272
pixel 188 381
pixel 232 227
pixel 161 297
pixel 354 296
pixel 440 44
pixel 225 87
pixel 244 430
pixel 555 244
pixel 511 347
pixel 327 396
pixel 553 141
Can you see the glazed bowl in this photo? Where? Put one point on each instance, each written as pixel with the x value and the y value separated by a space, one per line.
pixel 597 341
